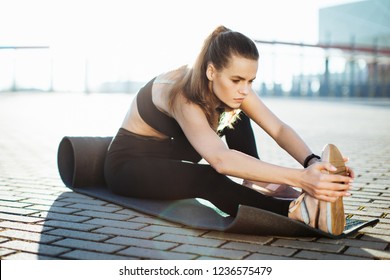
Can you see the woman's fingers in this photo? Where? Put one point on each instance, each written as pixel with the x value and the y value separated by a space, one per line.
pixel 333 186
pixel 330 196
pixel 327 198
pixel 327 166
pixel 332 190
pixel 350 172
pixel 337 178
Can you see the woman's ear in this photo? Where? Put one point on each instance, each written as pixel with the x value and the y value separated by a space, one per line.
pixel 210 71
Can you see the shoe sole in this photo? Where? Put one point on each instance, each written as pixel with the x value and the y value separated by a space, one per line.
pixel 335 217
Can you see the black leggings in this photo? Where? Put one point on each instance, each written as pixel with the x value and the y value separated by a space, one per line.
pixel 145 167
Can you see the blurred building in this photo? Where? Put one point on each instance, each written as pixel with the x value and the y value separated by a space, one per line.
pixel 362 29
pixel 361 23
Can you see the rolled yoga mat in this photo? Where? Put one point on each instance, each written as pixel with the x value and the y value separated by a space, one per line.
pixel 81 163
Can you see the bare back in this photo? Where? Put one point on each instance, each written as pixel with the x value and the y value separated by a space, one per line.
pixel 160 95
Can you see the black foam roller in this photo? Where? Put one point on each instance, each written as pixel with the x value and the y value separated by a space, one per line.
pixel 81 161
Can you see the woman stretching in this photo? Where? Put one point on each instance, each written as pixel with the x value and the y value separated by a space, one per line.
pixel 179 117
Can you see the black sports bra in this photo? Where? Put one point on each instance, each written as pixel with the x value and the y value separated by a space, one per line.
pixel 153 116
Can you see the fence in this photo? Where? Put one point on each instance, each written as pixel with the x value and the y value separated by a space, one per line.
pixel 285 69
pixel 325 70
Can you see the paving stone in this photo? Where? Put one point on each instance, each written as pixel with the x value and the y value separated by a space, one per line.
pixel 375 231
pixel 63 217
pixel 131 212
pixel 143 243
pixel 19 218
pixel 94 207
pixel 47 191
pixel 109 204
pixel 365 194
pixel 3 239
pixel 356 199
pixel 103 215
pixel 23 226
pixel 355 243
pixel 4 252
pixel 239 237
pixel 263 249
pixel 376 209
pixel 311 255
pixel 4 197
pixel 257 256
pixel 13 210
pixel 33 247
pixel 305 239
pixel 165 229
pixel 21 183
pixel 207 258
pixel 376 238
pixel 71 194
pixel 53 209
pixel 188 239
pixel 113 223
pixel 82 200
pixel 28 256
pixel 127 232
pixel 88 245
pixel 155 254
pixel 39 196
pixel 364 218
pixel 78 234
pixel 37 201
pixel 209 251
pixel 366 213
pixel 87 255
pixel 383 225
pixel 381 199
pixel 153 221
pixel 332 248
pixel 28 236
pixel 368 253
pixel 69 225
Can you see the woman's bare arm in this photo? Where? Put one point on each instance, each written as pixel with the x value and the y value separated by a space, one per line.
pixel 283 134
pixel 234 163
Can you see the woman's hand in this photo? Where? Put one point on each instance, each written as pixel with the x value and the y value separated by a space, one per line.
pixel 318 181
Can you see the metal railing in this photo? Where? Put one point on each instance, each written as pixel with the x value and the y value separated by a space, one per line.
pixel 9 67
pixel 286 69
pixel 334 70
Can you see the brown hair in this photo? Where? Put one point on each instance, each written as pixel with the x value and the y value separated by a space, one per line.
pixel 218 48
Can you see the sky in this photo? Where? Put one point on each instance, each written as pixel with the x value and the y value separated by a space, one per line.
pixel 112 21
pixel 150 35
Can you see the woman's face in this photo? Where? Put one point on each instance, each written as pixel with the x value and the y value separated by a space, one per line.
pixel 232 84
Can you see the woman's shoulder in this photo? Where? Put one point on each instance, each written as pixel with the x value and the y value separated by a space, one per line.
pixel 171 77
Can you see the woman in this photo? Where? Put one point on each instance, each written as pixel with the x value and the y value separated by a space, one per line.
pixel 178 118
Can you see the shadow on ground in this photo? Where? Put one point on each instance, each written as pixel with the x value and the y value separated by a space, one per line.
pixel 80 227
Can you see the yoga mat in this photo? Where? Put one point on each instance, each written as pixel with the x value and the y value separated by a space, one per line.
pixel 81 162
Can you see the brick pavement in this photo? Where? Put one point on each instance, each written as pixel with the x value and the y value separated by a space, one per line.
pixel 42 219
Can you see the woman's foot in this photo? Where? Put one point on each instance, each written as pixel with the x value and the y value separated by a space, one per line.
pixel 326 216
pixel 318 214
